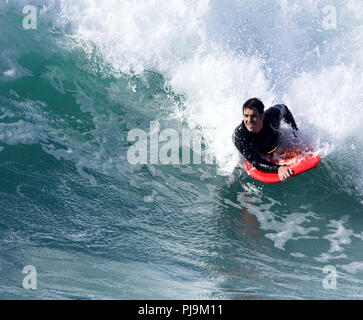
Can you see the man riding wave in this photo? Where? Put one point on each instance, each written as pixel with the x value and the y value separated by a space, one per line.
pixel 258 134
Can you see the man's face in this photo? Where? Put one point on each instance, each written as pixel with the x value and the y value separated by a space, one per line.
pixel 253 120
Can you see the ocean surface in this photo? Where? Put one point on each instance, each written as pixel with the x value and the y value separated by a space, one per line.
pixel 78 77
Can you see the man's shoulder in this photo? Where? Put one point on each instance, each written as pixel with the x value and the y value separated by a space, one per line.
pixel 277 108
pixel 272 113
pixel 240 135
pixel 272 109
pixel 240 131
pixel 240 128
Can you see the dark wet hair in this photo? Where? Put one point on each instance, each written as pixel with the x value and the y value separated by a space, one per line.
pixel 254 103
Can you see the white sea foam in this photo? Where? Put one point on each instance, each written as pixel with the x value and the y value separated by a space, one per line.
pixel 341 236
pixel 10 73
pixel 281 228
pixel 219 54
pixel 353 267
pixel 21 132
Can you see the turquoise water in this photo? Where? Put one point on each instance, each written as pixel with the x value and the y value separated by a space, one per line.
pixel 96 226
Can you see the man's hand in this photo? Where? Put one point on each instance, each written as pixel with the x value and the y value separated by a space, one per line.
pixel 285 173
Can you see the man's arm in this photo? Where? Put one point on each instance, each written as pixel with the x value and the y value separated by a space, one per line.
pixel 287 115
pixel 252 156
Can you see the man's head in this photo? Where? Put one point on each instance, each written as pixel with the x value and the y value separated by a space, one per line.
pixel 253 115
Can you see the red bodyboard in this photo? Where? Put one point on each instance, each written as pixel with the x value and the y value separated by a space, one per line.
pixel 298 164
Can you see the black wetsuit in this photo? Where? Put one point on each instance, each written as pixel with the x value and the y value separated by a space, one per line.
pixel 253 145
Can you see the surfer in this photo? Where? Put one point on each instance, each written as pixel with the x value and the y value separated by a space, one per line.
pixel 257 135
